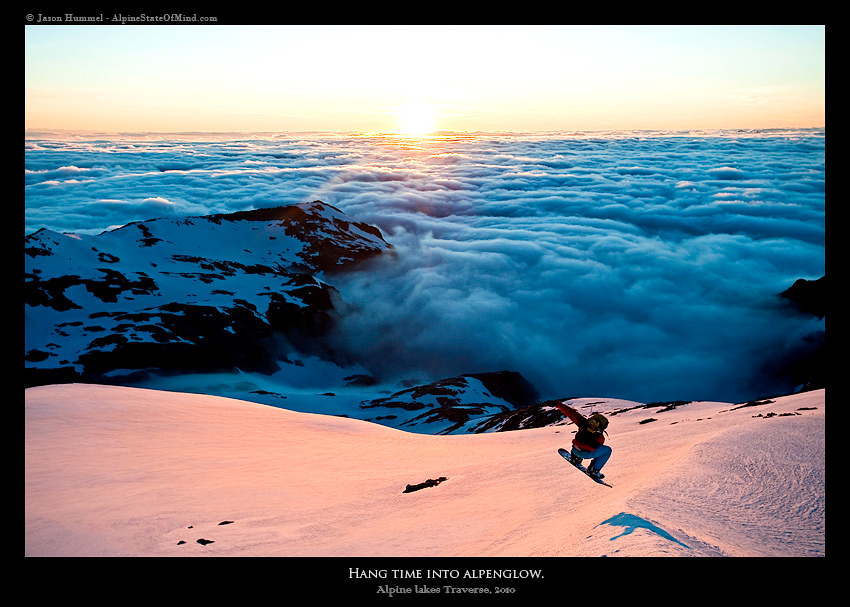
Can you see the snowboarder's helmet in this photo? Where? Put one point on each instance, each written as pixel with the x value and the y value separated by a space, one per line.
pixel 597 422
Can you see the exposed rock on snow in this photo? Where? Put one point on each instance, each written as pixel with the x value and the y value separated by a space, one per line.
pixel 450 405
pixel 197 294
pixel 431 482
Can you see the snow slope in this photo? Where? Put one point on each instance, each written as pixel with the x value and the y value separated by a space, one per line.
pixel 113 471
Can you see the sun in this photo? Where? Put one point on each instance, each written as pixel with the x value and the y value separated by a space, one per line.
pixel 416 119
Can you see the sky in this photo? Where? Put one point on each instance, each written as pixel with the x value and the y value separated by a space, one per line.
pixel 415 79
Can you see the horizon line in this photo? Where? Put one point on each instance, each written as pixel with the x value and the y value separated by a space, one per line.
pixel 435 133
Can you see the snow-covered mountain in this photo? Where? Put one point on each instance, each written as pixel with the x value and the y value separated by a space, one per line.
pixel 117 471
pixel 200 294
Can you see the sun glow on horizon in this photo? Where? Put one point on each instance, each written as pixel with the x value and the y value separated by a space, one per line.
pixel 415 120
pixel 526 78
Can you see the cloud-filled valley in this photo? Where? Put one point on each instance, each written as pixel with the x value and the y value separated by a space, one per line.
pixel 632 265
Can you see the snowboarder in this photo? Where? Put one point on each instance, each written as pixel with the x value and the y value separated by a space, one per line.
pixel 588 443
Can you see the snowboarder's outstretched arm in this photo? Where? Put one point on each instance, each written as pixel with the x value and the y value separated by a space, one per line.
pixel 577 418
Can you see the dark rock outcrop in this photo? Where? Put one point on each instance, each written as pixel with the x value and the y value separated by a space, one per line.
pixel 804 364
pixel 199 294
pixel 808 295
pixel 431 482
pixel 450 404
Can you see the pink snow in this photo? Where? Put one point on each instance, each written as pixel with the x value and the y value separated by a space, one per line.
pixel 113 471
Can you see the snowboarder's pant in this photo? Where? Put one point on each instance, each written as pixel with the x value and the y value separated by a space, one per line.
pixel 599 455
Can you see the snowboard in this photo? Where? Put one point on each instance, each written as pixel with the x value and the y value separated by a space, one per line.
pixel 566 455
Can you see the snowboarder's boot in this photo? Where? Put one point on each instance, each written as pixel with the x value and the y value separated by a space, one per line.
pixel 575 460
pixel 593 472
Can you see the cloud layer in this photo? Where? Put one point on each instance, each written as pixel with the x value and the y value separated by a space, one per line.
pixel 634 265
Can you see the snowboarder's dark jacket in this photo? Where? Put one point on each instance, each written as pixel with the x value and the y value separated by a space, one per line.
pixel 585 440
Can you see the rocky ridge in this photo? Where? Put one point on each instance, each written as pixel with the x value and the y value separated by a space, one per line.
pixel 198 294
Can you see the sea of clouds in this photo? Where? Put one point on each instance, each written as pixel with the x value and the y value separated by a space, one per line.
pixel 634 265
